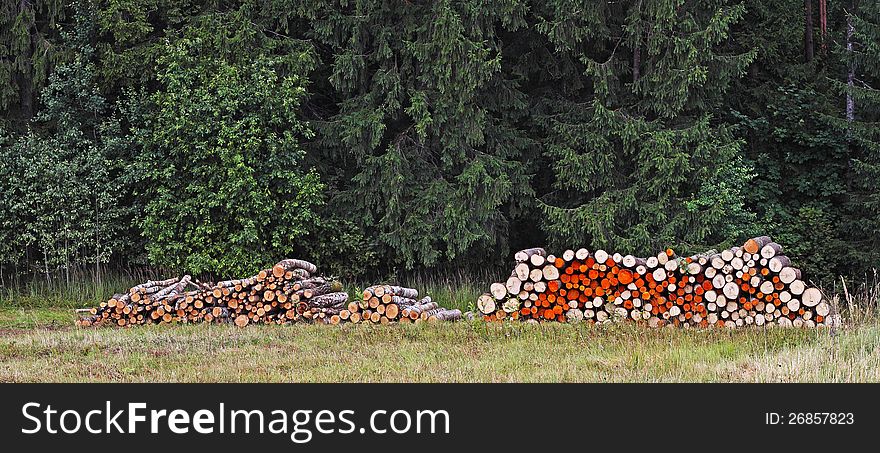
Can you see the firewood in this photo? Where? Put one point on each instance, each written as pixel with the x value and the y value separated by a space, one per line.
pixel 321 290
pixel 410 293
pixel 525 255
pixel 486 303
pixel 727 288
pixel 446 315
pixel 537 260
pixel 777 263
pixel 498 290
pixel 549 272
pixel 283 266
pixel 173 288
pixel 770 250
pixel 329 300
pixel 428 313
pixel 513 285
pixel 416 311
pixel 754 245
pixel 811 297
pixel 789 274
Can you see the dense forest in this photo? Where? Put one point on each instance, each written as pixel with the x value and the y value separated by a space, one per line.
pixel 377 136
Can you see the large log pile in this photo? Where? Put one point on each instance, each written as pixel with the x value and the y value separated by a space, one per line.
pixel 754 284
pixel 289 292
pixel 285 293
pixel 383 304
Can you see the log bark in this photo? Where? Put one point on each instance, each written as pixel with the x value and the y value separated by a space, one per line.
pixel 525 255
pixel 446 315
pixel 152 284
pixel 329 300
pixel 283 266
pixel 401 291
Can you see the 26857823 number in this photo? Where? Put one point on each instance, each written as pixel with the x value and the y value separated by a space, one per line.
pixel 810 418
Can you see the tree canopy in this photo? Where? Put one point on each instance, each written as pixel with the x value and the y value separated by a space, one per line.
pixel 385 135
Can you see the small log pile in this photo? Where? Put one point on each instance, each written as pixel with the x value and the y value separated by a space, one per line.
pixel 286 293
pixel 754 284
pixel 383 304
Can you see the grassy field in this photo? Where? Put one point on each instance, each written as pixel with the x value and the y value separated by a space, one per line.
pixel 40 345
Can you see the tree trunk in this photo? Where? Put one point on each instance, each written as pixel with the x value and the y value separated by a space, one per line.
pixel 808 31
pixel 850 72
pixel 637 61
pixel 823 24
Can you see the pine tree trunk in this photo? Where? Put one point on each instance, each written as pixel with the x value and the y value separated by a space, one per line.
pixel 637 60
pixel 850 73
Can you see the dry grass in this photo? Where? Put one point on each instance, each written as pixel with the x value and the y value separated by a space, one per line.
pixel 460 352
pixel 38 343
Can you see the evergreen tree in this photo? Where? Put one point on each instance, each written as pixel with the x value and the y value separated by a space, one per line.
pixel 643 163
pixel 28 30
pixel 780 109
pixel 424 123
pixel 861 127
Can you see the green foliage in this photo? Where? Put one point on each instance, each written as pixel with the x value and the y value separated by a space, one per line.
pixel 220 172
pixel 642 164
pixel 426 122
pixel 27 54
pixel 864 134
pixel 58 182
pixel 384 137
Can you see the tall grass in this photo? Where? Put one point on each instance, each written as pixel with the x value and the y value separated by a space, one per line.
pixel 858 303
pixel 80 288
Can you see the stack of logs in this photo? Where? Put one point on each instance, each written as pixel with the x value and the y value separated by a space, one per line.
pixel 383 304
pixel 754 284
pixel 285 293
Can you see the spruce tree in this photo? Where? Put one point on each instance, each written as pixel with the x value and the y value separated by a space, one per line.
pixel 861 126
pixel 424 123
pixel 641 163
pixel 28 50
